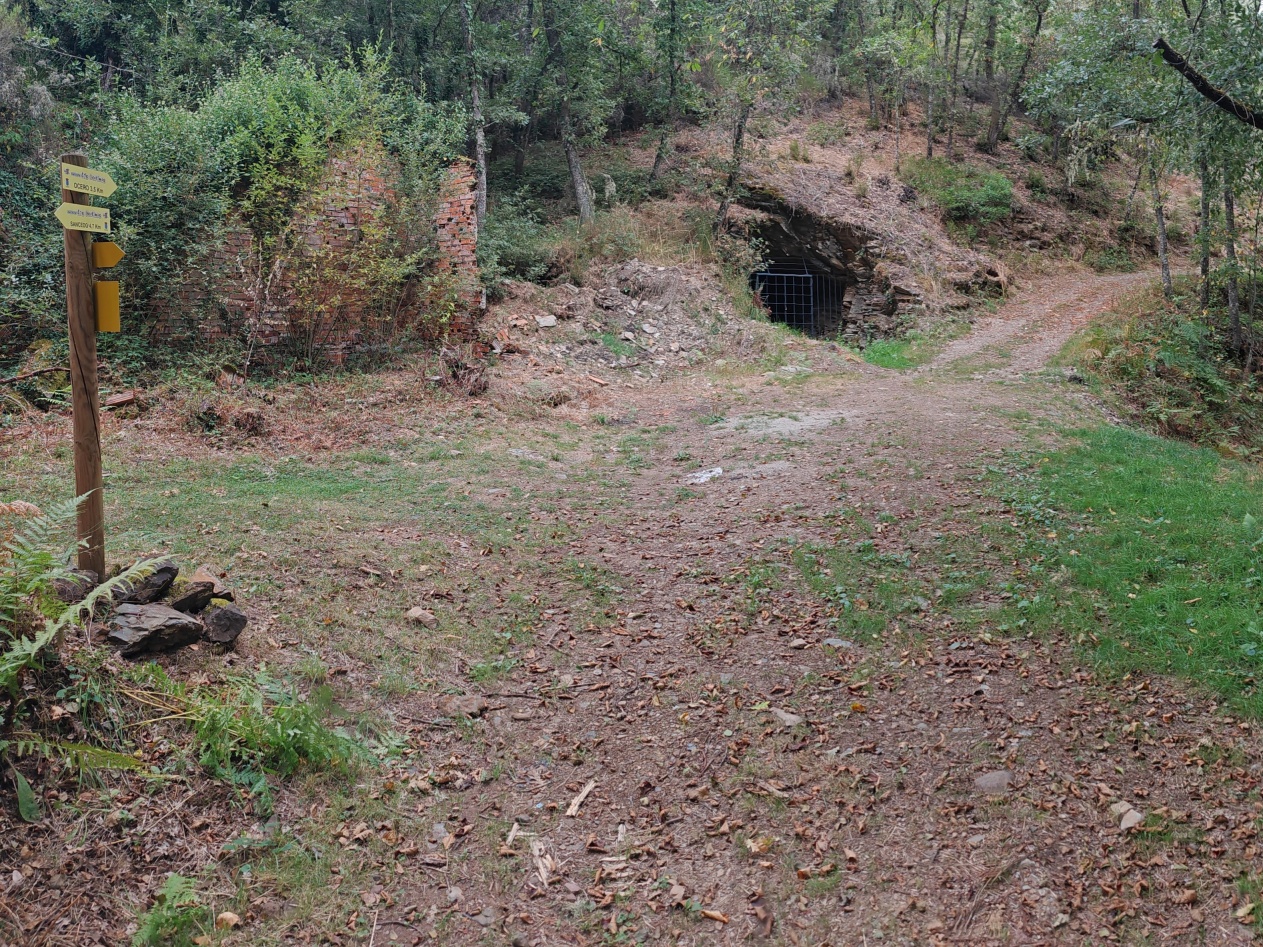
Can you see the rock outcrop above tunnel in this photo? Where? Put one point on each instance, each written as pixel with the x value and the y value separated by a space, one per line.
pixel 896 259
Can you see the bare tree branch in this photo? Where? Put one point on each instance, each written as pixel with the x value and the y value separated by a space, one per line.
pixel 1238 110
pixel 39 371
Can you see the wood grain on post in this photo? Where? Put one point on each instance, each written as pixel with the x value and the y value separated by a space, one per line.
pixel 84 394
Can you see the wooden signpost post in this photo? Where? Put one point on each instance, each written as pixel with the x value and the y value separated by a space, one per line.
pixel 86 306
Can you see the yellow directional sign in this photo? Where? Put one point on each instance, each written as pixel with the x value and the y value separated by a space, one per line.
pixel 84 217
pixel 107 319
pixel 86 181
pixel 105 254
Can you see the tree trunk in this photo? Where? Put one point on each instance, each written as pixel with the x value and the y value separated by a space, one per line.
pixel 870 84
pixel 659 159
pixel 951 106
pixel 898 123
pixel 1168 290
pixel 1001 106
pixel 475 110
pixel 929 120
pixel 1204 235
pixel 988 49
pixel 734 170
pixel 1230 251
pixel 522 133
pixel 582 193
pixel 1254 270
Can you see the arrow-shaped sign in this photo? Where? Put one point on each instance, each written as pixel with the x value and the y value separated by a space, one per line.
pixel 86 181
pixel 105 254
pixel 84 217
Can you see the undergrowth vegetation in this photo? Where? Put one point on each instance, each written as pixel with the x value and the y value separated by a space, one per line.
pixel 964 193
pixel 245 728
pixel 1172 364
pixel 246 157
pixel 1145 552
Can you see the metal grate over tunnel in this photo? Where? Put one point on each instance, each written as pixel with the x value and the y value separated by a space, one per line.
pixel 801 298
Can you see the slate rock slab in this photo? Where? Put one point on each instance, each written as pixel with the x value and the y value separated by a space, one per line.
pixel 223 622
pixel 205 573
pixel 463 705
pixel 151 588
pixel 142 629
pixel 994 783
pixel 190 596
pixel 75 586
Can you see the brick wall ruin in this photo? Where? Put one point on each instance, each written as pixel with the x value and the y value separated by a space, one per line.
pixel 307 301
pixel 456 222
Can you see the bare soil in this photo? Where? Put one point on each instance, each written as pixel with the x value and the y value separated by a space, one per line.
pixel 691 763
pixel 862 822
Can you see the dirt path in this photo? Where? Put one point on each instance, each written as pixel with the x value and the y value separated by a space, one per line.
pixel 720 763
pixel 1033 327
pixel 748 685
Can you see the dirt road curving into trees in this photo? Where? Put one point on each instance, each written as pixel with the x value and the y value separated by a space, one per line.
pixel 723 761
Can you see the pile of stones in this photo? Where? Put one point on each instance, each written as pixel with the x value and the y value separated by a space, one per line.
pixel 163 610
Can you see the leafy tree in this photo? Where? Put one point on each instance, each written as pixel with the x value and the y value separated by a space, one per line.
pixel 759 49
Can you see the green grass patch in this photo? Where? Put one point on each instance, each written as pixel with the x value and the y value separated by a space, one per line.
pixel 619 346
pixel 889 353
pixel 1163 546
pixel 869 588
pixel 963 192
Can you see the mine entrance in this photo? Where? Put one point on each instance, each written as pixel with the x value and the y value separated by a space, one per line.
pixel 802 298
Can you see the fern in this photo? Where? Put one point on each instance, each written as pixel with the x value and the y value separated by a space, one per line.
pixel 81 756
pixel 25 652
pixel 28 565
pixel 176 916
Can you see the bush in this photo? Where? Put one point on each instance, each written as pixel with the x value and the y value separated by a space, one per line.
pixel 1036 183
pixel 32 297
pixel 512 244
pixel 1174 366
pixel 798 152
pixel 256 144
pixel 963 192
pixel 1111 259
pixel 826 133
pixel 1031 145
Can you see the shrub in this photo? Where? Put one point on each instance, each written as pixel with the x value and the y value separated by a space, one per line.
pixel 1111 259
pixel 963 192
pixel 798 152
pixel 1031 145
pixel 256 144
pixel 1036 183
pixel 512 244
pixel 1173 365
pixel 32 303
pixel 826 133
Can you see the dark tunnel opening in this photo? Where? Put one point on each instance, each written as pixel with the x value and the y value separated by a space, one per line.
pixel 802 297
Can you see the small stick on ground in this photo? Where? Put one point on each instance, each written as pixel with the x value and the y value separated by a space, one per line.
pixel 573 809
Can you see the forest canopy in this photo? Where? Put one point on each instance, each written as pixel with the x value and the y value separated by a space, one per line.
pixel 210 107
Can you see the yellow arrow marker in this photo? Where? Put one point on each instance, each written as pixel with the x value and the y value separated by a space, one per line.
pixel 105 254
pixel 107 318
pixel 86 181
pixel 84 217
